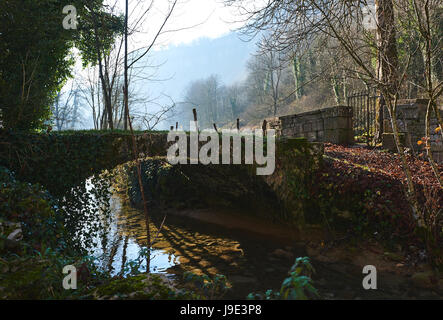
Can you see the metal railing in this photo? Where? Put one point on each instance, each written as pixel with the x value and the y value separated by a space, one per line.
pixel 364 105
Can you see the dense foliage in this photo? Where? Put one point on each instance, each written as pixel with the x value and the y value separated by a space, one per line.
pixel 36 57
pixel 41 234
pixel 31 205
pixel 60 161
pixel 360 192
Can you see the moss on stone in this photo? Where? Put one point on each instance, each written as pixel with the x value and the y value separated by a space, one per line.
pixel 152 286
pixel 60 160
pixel 278 197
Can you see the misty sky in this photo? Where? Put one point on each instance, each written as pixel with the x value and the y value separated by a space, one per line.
pixel 204 44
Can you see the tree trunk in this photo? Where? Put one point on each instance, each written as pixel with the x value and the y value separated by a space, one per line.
pixel 411 194
pixel 296 71
pixel 387 58
pixel 106 94
pixel 126 89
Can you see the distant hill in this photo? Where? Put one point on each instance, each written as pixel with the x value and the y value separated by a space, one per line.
pixel 180 65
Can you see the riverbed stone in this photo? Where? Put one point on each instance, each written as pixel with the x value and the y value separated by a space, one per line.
pixel 422 280
pixel 226 257
pixel 204 263
pixel 197 271
pixel 393 256
pixel 283 254
pixel 242 279
pixel 184 260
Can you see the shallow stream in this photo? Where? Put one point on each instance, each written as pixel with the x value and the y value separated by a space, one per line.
pixel 251 261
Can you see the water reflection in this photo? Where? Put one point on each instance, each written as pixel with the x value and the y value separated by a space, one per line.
pixel 247 260
pixel 117 248
pixel 251 262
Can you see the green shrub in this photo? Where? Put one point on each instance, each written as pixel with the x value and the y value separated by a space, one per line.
pixel 298 286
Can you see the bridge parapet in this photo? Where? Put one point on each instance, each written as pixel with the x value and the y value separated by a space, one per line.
pixel 332 124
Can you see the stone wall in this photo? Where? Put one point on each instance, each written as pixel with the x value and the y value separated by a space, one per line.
pixel 41 158
pixel 411 115
pixel 332 124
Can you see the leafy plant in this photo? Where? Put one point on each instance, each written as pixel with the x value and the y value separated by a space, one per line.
pixel 133 267
pixel 37 274
pixel 206 287
pixel 298 286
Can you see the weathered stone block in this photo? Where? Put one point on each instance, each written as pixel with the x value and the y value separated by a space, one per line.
pixel 337 123
pixel 311 136
pixel 437 147
pixel 337 111
pixel 298 128
pixel 408 112
pixel 389 141
pixel 330 125
pixel 318 125
pixel 438 157
pixel 387 126
pixel 321 135
pixel 307 127
pixel 287 132
pixel 411 116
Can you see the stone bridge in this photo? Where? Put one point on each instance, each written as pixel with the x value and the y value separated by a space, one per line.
pixel 44 158
pixel 40 158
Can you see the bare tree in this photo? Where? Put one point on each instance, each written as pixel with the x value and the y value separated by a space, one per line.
pixel 432 39
pixel 90 90
pixel 290 21
pixel 266 71
pixel 150 120
pixel 202 95
pixel 271 62
pixel 107 78
pixel 138 54
pixel 65 109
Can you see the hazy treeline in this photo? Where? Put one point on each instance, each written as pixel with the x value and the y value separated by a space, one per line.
pixel 312 71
